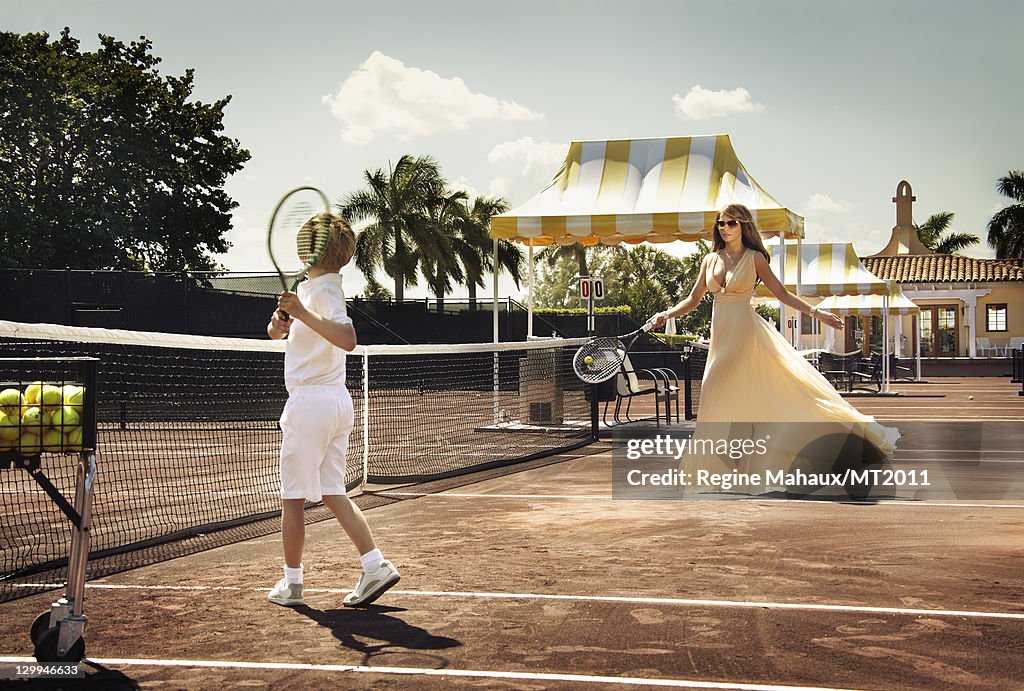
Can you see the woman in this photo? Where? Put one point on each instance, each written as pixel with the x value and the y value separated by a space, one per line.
pixel 755 384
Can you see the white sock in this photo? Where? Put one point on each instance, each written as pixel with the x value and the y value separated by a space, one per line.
pixel 371 560
pixel 293 575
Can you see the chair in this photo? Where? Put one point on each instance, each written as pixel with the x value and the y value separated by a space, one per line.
pixel 629 385
pixel 670 390
pixel 834 368
pixel 1016 343
pixel 984 345
pixel 901 368
pixel 866 373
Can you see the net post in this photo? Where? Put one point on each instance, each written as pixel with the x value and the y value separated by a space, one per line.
pixel 687 386
pixel 595 427
pixel 366 418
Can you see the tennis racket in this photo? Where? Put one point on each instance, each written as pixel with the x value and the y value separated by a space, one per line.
pixel 296 238
pixel 599 359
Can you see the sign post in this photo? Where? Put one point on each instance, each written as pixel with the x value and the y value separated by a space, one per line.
pixel 591 290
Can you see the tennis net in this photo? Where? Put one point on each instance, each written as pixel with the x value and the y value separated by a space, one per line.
pixel 187 439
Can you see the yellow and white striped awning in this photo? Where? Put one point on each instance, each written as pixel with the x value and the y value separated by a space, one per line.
pixel 826 269
pixel 870 305
pixel 642 190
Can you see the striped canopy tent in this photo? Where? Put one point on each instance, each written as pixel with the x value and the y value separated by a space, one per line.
pixel 870 305
pixel 642 190
pixel 827 269
pixel 831 268
pixel 874 306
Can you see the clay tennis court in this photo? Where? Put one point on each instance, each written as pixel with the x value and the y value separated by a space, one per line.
pixel 534 577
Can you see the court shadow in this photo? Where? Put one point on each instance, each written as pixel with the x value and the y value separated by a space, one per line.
pixel 375 631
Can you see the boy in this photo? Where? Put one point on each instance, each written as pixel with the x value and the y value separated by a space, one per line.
pixel 318 418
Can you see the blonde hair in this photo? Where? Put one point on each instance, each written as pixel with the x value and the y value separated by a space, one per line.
pixel 341 242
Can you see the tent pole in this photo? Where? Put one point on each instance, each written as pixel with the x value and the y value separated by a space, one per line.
pixel 917 341
pixel 885 343
pixel 799 315
pixel 782 278
pixel 529 303
pixel 494 292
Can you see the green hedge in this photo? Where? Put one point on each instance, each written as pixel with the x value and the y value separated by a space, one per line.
pixel 576 311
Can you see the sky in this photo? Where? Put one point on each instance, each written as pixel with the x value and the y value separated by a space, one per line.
pixel 829 103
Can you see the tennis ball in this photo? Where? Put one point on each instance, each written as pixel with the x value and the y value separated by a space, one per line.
pixel 69 391
pixel 52 440
pixel 588 360
pixel 11 401
pixel 29 444
pixel 51 397
pixel 970 398
pixel 9 427
pixel 73 440
pixel 75 396
pixel 35 417
pixel 66 416
pixel 32 393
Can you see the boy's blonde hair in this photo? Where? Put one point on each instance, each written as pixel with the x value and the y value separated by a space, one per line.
pixel 341 243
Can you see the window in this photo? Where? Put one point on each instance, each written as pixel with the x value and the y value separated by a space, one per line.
pixel 995 317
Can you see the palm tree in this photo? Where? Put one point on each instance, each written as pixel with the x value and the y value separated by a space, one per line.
pixel 477 249
pixel 440 252
pixel 396 202
pixel 1006 229
pixel 931 234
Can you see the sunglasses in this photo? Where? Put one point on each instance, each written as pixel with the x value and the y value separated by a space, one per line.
pixel 730 224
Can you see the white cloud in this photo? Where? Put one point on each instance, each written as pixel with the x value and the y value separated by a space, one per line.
pixel 385 97
pixel 702 103
pixel 521 168
pixel 822 203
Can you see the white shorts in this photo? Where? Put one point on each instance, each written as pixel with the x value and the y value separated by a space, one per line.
pixel 315 426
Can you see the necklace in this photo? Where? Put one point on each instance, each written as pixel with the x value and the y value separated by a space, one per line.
pixel 733 259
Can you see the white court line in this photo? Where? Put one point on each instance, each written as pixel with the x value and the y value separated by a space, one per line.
pixel 674 601
pixel 446 672
pixel 608 497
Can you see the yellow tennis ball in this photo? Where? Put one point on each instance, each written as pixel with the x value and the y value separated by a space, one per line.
pixel 588 360
pixel 75 396
pixel 32 393
pixel 51 397
pixel 29 444
pixel 52 440
pixel 11 401
pixel 970 398
pixel 66 417
pixel 73 440
pixel 35 417
pixel 9 427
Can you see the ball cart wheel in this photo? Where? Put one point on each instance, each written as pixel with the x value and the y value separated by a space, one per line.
pixel 46 648
pixel 39 627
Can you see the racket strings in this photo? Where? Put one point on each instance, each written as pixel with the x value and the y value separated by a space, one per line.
pixel 598 360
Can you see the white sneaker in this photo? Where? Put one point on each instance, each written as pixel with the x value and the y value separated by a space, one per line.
pixel 372 585
pixel 287 594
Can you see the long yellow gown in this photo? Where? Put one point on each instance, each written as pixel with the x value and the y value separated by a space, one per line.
pixel 756 386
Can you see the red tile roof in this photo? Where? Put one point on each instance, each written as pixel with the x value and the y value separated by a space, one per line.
pixel 944 268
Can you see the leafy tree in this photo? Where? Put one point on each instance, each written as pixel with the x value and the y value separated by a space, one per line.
pixel 477 253
pixel 395 201
pixel 106 164
pixel 557 281
pixel 931 233
pixel 439 259
pixel 375 291
pixel 1006 229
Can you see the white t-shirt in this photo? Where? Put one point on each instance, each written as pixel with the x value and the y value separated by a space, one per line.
pixel 309 358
